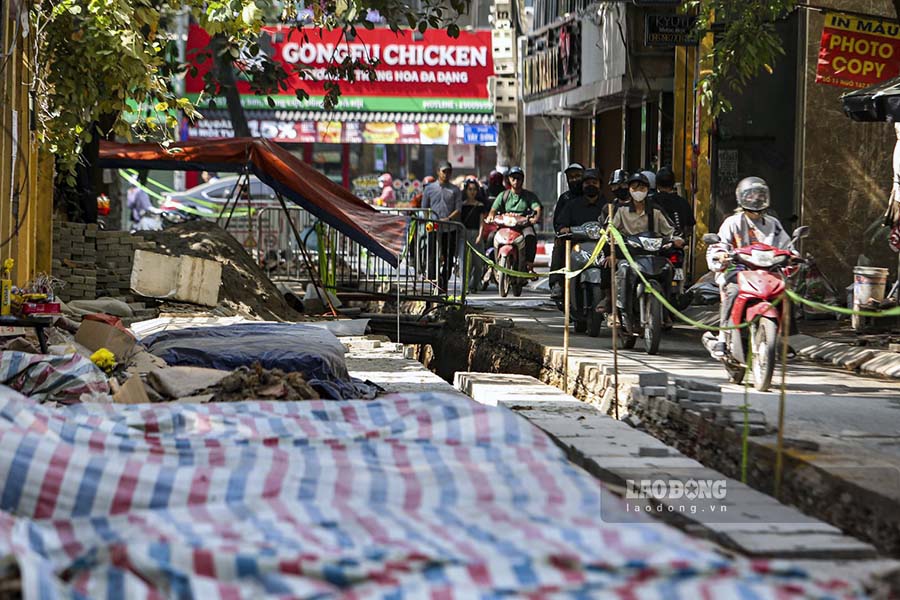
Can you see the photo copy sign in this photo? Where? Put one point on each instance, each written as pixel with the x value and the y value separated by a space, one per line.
pixel 857 52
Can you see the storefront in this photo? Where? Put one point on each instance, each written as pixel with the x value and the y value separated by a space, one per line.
pixel 428 103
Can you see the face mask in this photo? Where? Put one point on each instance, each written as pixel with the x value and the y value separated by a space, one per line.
pixel 575 186
pixel 622 193
pixel 639 195
pixel 591 191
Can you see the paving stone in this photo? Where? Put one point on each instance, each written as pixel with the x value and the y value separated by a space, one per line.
pixel 711 397
pixel 655 390
pixel 694 384
pixel 653 378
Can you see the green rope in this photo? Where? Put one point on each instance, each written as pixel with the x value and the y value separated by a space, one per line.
pixel 570 275
pixel 891 312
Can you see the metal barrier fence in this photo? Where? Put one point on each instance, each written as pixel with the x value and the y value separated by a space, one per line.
pixel 432 267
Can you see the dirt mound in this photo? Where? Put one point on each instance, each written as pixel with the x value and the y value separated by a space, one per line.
pixel 245 286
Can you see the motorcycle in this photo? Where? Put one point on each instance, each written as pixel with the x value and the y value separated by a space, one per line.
pixel 586 293
pixel 640 312
pixel 764 275
pixel 509 250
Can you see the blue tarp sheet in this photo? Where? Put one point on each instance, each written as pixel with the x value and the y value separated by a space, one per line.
pixel 291 347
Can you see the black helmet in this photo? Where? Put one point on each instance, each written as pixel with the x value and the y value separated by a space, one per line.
pixel 574 167
pixel 752 194
pixel 639 178
pixel 665 177
pixel 592 174
pixel 619 176
pixel 515 171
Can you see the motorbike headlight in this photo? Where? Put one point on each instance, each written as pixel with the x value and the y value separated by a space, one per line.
pixel 592 230
pixel 509 220
pixel 766 258
pixel 576 248
pixel 651 244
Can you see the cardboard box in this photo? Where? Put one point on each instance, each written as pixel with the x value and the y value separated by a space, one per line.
pixel 183 278
pixel 94 335
pixel 131 392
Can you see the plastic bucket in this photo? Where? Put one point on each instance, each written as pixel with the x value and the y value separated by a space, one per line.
pixel 869 283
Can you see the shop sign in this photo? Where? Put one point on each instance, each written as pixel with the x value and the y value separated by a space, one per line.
pixel 480 134
pixel 855 52
pixel 429 72
pixel 669 30
pixel 552 61
pixel 333 132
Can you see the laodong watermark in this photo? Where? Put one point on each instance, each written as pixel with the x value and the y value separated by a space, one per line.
pixel 676 496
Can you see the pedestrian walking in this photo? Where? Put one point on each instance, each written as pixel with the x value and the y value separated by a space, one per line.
pixel 445 201
pixel 472 217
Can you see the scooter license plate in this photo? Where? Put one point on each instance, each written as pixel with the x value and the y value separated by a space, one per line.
pixel 679 275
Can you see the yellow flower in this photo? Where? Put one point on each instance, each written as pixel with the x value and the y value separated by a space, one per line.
pixel 104 359
pixel 8 265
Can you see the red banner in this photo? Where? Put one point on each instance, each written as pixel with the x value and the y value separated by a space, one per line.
pixel 857 53
pixel 432 65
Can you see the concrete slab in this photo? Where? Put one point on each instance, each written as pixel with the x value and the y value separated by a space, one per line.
pixel 808 545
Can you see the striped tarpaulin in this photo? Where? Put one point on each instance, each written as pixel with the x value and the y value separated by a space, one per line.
pixel 419 496
pixel 48 377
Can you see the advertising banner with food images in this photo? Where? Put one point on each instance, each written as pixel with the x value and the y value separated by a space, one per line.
pixel 430 72
pixel 347 132
pixel 856 52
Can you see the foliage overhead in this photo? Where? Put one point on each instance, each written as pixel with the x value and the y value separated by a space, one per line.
pixel 112 62
pixel 746 44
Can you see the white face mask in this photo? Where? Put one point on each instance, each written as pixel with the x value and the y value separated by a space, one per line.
pixel 639 195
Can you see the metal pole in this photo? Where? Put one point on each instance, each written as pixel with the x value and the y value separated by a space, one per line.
pixel 615 316
pixel 779 446
pixel 566 297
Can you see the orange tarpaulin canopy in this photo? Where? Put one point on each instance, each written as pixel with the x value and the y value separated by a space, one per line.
pixel 382 234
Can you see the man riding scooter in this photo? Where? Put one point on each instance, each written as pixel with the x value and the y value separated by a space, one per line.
pixel 750 224
pixel 574 177
pixel 519 201
pixel 580 220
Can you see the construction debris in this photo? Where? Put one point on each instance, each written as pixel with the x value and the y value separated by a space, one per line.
pixel 245 287
pixel 262 384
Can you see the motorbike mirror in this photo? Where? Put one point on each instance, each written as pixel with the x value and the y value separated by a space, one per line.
pixel 711 238
pixel 801 232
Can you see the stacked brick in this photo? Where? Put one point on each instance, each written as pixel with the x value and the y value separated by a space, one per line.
pixel 115 257
pixel 94 263
pixel 74 260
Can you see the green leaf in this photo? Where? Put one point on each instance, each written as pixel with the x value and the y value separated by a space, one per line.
pixel 270 101
pixel 423 26
pixel 453 30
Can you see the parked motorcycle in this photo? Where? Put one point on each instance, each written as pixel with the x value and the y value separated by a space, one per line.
pixel 640 312
pixel 586 293
pixel 509 250
pixel 761 281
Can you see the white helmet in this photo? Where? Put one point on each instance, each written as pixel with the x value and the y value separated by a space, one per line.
pixel 752 194
pixel 651 178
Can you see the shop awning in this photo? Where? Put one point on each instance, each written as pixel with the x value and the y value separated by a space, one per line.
pixel 375 117
pixel 880 102
pixel 380 233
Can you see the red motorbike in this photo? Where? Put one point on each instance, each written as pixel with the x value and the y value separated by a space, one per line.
pixel 509 251
pixel 762 276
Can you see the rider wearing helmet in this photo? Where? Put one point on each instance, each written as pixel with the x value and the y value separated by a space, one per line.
pixel 574 175
pixel 618 185
pixel 642 214
pixel 519 201
pixel 749 224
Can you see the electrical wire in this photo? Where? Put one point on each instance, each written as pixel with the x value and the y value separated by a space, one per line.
pixel 17 193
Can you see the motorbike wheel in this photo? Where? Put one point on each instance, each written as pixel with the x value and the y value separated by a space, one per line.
pixel 595 319
pixel 503 279
pixel 627 340
pixel 765 342
pixel 653 326
pixel 581 325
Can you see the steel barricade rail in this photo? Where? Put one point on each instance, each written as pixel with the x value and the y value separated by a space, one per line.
pixel 432 267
